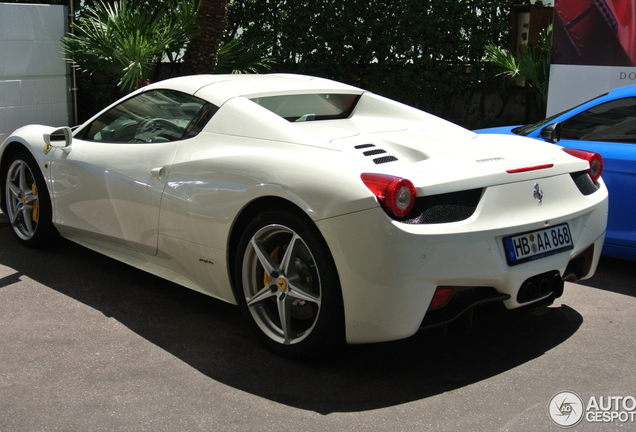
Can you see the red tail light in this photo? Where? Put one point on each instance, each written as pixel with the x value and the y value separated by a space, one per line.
pixel 395 194
pixel 595 160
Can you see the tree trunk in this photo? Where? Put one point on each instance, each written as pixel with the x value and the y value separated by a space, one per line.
pixel 201 53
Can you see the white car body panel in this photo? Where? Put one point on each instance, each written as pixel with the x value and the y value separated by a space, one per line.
pixel 170 208
pixel 110 190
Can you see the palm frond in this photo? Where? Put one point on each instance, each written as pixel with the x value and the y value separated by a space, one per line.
pixel 530 65
pixel 127 41
pixel 237 56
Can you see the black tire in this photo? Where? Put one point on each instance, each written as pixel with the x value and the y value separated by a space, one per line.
pixel 27 201
pixel 287 284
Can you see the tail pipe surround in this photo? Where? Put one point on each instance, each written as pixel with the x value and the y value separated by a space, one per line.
pixel 541 286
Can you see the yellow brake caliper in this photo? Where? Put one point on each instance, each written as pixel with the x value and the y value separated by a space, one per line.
pixel 36 204
pixel 266 277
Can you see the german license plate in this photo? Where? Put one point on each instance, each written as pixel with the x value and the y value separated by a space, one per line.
pixel 537 244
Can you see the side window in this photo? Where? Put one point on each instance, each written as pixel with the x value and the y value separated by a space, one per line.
pixel 612 121
pixel 152 116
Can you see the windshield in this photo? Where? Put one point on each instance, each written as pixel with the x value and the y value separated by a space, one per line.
pixel 528 129
pixel 310 107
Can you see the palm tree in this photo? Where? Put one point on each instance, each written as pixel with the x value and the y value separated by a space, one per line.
pixel 202 51
pixel 125 40
pixel 530 65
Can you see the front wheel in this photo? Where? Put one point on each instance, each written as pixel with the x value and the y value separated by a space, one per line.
pixel 288 285
pixel 27 202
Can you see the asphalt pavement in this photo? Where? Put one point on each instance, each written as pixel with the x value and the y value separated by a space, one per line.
pixel 90 344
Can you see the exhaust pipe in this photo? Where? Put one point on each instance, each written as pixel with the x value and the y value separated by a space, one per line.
pixel 557 284
pixel 544 287
pixel 540 286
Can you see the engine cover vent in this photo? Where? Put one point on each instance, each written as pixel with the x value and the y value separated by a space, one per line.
pixel 374 151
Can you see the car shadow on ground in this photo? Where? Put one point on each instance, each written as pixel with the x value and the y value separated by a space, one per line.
pixel 610 276
pixel 214 338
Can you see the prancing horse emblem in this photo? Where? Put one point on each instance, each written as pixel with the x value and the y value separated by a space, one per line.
pixel 538 193
pixel 282 284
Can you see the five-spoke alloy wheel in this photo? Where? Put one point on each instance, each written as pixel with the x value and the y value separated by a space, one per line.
pixel 27 202
pixel 289 285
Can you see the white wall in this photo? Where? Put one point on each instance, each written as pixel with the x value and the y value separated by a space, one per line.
pixel 34 84
pixel 571 85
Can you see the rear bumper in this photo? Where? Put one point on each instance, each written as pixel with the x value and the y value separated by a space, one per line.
pixel 389 271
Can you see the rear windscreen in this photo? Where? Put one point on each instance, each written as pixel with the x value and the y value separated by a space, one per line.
pixel 310 107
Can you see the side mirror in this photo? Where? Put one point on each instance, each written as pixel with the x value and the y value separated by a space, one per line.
pixel 57 138
pixel 552 132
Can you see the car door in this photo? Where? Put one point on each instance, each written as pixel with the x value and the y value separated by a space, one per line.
pixel 610 129
pixel 107 185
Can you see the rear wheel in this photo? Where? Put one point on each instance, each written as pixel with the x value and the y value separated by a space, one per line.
pixel 288 285
pixel 27 202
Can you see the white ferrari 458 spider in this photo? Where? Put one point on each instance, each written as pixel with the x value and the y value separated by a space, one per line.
pixel 326 212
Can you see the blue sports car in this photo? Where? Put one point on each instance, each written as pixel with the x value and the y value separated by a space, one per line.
pixel 606 125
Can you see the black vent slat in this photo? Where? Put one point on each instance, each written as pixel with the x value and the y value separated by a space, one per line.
pixel 373 152
pixel 384 159
pixel 361 146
